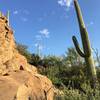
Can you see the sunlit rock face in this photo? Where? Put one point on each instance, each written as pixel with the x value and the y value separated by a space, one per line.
pixel 18 79
pixel 7 44
pixel 10 59
pixel 6 41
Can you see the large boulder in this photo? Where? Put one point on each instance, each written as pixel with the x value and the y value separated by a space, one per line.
pixel 18 79
pixel 23 85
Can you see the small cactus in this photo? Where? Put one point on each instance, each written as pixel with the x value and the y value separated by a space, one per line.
pixel 0 14
pixel 86 53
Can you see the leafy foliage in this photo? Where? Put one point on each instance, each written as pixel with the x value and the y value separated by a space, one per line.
pixel 75 94
pixel 72 57
pixel 35 59
pixel 22 49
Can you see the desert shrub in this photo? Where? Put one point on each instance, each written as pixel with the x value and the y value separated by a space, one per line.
pixel 35 59
pixel 75 94
pixel 22 49
pixel 73 76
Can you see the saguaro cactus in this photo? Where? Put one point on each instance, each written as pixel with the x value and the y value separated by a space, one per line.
pixel 86 53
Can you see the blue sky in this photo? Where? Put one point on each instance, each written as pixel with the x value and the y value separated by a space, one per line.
pixel 50 24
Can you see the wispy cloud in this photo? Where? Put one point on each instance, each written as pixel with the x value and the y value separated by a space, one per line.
pixel 65 3
pixel 15 12
pixel 23 14
pixel 42 34
pixel 90 24
pixel 45 32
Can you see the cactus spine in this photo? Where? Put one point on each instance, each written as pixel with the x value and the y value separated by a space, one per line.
pixel 86 53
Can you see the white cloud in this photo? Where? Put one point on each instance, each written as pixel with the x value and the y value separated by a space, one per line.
pixel 60 2
pixel 90 24
pixel 15 12
pixel 45 33
pixel 66 3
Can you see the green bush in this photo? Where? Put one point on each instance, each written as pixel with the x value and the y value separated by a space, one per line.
pixel 35 59
pixel 22 49
pixel 75 94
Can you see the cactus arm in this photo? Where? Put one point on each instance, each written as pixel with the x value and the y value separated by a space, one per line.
pixel 78 49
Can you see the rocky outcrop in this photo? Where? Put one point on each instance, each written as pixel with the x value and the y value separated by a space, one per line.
pixel 18 79
pixel 22 85
pixel 10 59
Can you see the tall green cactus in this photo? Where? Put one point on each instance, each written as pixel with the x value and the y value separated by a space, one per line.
pixel 86 53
